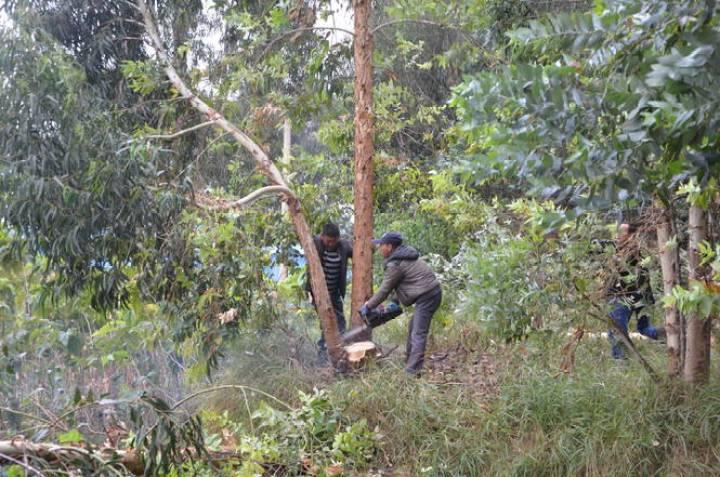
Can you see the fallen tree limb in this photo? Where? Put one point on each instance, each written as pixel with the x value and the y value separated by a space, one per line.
pixel 118 461
pixel 25 466
pixel 16 449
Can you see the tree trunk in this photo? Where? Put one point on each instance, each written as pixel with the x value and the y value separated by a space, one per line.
pixel 364 150
pixel 287 138
pixel 268 168
pixel 697 356
pixel 669 265
pixel 317 282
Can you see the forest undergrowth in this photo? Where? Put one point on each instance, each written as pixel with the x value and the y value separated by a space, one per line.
pixel 470 416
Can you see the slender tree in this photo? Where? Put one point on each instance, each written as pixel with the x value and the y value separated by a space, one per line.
pixel 670 274
pixel 266 166
pixel 697 353
pixel 364 150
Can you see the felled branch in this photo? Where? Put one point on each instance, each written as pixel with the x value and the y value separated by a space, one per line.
pixel 52 453
pixel 22 464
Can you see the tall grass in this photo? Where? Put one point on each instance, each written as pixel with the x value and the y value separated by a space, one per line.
pixel 603 419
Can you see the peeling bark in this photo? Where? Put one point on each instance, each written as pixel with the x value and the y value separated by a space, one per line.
pixel 697 356
pixel 364 150
pixel 669 265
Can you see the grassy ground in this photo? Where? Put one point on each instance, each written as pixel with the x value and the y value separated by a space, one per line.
pixel 485 409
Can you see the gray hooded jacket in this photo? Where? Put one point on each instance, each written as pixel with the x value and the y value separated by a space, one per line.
pixel 407 274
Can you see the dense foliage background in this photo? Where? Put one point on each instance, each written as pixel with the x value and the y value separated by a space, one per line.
pixel 510 135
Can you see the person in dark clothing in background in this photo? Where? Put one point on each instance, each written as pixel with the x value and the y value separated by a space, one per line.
pixel 629 290
pixel 414 283
pixel 334 254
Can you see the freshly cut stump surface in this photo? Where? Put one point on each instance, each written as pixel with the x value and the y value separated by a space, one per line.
pixel 359 353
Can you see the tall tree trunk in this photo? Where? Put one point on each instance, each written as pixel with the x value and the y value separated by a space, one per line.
pixel 364 150
pixel 697 357
pixel 669 265
pixel 287 139
pixel 268 168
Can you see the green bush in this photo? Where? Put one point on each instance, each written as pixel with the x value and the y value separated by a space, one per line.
pixel 312 438
pixel 528 269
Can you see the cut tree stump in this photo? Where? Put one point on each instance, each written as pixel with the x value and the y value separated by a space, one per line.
pixel 361 353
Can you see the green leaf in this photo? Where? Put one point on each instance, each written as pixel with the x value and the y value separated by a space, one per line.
pixel 71 437
pixel 278 18
pixel 15 471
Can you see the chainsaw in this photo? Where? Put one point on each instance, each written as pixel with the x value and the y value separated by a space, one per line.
pixel 372 319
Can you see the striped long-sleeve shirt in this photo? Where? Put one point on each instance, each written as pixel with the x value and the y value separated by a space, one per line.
pixel 331 267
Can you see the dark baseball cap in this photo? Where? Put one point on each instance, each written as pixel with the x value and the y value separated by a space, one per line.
pixel 393 238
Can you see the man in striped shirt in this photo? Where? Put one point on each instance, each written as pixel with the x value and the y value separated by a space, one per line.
pixel 334 254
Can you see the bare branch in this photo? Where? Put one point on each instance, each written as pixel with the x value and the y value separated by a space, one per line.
pixel 263 161
pixel 224 387
pixel 298 30
pixel 445 26
pixel 180 133
pixel 29 416
pixel 408 20
pixel 219 204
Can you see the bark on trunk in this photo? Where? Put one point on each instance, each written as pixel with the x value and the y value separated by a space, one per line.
pixel 287 138
pixel 697 357
pixel 364 150
pixel 669 265
pixel 268 168
pixel 317 282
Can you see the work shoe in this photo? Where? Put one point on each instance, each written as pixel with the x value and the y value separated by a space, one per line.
pixel 413 373
pixel 661 334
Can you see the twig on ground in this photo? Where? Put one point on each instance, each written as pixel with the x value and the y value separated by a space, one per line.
pixel 621 334
pixel 24 465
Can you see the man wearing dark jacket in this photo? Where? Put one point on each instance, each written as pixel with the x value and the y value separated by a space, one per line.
pixel 334 254
pixel 414 283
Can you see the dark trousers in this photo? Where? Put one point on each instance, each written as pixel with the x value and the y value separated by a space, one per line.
pixel 337 302
pixel 621 315
pixel 425 308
